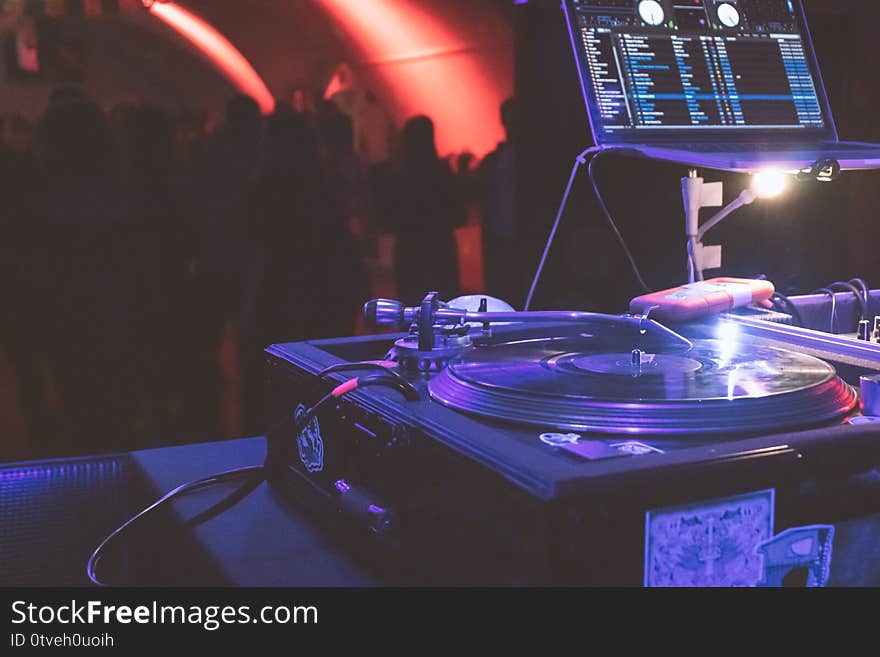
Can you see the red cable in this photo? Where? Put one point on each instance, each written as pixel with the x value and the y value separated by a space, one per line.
pixel 345 388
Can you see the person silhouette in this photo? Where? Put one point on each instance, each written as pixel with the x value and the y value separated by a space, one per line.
pixel 425 212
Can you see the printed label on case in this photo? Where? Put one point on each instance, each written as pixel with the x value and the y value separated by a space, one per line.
pixel 310 444
pixel 730 542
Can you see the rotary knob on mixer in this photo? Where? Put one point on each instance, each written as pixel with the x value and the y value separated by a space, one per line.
pixel 870 393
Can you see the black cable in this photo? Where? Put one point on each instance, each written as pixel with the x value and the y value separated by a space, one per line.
pixel 863 286
pixel 231 475
pixel 849 287
pixel 784 304
pixel 629 256
pixel 226 503
pixel 408 390
pixel 404 387
pixel 301 421
pixel 578 162
pixel 833 296
pixel 386 368
pixel 593 154
pixel 866 292
pixel 398 383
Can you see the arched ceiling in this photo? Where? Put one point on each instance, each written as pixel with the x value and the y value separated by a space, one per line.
pixel 129 57
pixel 451 59
pixel 291 43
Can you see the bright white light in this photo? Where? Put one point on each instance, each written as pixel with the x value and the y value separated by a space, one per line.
pixel 769 183
pixel 728 335
pixel 728 332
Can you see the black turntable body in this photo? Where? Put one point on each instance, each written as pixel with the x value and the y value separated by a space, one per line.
pixel 547 453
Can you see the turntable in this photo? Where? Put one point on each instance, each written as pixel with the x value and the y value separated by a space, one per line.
pixel 580 448
pixel 573 384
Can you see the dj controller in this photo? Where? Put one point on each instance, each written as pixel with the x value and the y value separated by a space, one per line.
pixel 504 448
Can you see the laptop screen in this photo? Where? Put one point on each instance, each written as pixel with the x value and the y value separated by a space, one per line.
pixel 694 70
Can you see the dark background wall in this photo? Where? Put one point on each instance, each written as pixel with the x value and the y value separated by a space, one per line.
pixel 815 234
pixel 130 55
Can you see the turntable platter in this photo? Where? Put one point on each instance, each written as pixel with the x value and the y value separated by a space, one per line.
pixel 569 384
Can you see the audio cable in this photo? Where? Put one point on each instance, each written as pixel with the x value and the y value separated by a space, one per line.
pixel 257 474
pixel 407 389
pixel 588 158
pixel 212 480
pixel 860 291
pixel 833 296
pixel 784 305
pixel 857 293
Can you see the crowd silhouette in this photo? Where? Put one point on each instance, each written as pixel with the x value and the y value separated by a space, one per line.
pixel 137 243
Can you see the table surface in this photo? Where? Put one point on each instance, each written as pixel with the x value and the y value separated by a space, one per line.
pixel 55 513
pixel 261 540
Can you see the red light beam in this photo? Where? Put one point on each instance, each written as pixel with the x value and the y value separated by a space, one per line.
pixel 428 69
pixel 217 48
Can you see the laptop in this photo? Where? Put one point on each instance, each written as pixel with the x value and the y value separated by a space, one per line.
pixel 724 84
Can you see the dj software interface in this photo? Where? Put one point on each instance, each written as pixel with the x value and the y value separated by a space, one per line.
pixel 703 63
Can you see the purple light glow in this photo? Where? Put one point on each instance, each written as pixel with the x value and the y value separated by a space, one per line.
pixel 57 471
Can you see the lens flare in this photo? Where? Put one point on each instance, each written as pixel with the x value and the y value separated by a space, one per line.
pixel 769 184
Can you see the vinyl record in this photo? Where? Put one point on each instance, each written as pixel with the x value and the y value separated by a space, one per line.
pixel 570 384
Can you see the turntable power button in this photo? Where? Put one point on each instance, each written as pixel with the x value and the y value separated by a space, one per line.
pixel 869 387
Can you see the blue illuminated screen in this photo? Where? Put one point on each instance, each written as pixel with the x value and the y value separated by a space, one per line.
pixel 653 65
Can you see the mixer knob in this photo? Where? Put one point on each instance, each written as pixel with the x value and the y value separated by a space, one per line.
pixel 870 389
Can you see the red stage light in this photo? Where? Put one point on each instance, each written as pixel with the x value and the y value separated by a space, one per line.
pixel 218 49
pixel 428 69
